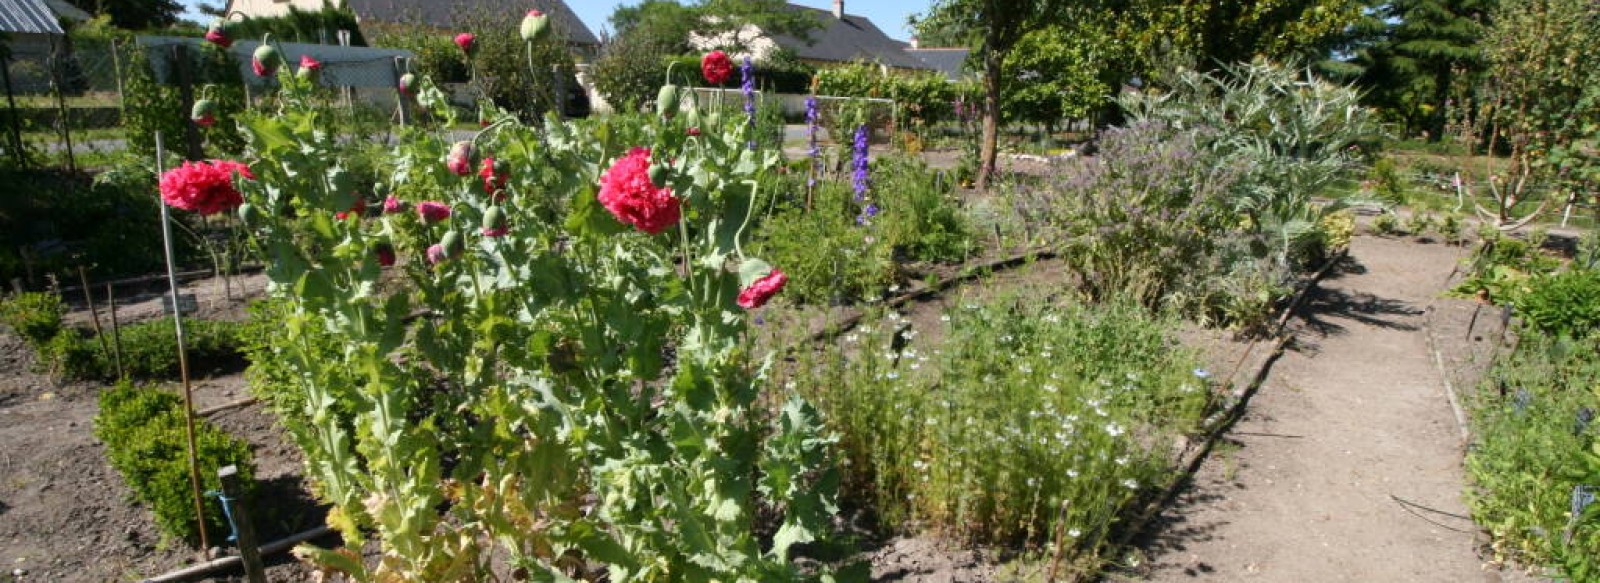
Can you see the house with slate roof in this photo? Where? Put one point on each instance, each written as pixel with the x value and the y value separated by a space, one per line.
pixel 950 61
pixel 35 25
pixel 841 38
pixel 438 14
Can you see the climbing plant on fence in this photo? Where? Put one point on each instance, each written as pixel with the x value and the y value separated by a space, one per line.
pixel 541 347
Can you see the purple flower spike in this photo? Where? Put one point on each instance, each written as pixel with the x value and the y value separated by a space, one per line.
pixel 861 180
pixel 747 75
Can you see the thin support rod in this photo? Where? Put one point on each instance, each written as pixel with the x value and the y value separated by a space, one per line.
pixel 183 362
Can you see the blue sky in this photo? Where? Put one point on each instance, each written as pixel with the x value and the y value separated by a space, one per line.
pixel 889 15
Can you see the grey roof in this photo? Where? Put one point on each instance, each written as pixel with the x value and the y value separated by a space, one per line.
pixel 443 14
pixel 27 16
pixel 852 38
pixel 947 61
pixel 67 11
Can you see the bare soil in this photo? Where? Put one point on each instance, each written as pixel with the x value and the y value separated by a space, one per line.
pixel 1347 465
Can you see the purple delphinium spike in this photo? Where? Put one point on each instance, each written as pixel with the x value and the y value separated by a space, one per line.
pixel 867 214
pixel 811 137
pixel 861 180
pixel 747 75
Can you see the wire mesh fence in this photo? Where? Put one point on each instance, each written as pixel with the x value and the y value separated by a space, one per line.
pixel 63 97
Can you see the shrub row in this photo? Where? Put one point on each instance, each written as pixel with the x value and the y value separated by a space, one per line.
pixel 144 432
pixel 149 349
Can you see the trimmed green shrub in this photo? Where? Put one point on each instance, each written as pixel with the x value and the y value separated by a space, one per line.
pixel 72 355
pixel 144 432
pixel 36 316
pixel 150 349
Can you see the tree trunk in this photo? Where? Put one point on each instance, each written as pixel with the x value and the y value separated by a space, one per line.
pixel 991 110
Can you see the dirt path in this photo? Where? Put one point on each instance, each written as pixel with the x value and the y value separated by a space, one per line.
pixel 1347 464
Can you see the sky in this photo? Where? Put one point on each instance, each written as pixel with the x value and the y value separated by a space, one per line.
pixel 889 15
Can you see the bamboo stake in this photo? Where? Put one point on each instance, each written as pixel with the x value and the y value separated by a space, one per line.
pixel 94 315
pixel 116 331
pixel 183 362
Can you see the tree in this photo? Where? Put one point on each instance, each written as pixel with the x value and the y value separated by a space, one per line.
pixel 1212 34
pixel 1425 51
pixel 629 73
pixel 1541 101
pixel 1001 25
pixel 728 20
pixel 1063 70
pixel 661 21
pixel 135 14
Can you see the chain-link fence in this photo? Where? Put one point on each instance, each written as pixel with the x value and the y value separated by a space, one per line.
pixel 64 98
pixel 58 92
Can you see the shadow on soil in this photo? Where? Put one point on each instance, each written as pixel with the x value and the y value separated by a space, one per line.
pixel 281 507
pixel 1165 539
pixel 1324 305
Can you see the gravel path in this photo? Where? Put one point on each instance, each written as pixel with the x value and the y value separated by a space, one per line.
pixel 1347 465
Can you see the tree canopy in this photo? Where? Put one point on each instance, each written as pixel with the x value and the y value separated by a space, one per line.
pixel 669 20
pixel 135 14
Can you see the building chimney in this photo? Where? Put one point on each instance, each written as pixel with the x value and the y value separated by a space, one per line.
pixel 838 9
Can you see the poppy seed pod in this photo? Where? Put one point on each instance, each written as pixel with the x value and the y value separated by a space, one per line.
pixel 217 33
pixel 452 244
pixel 659 173
pixel 667 101
pixel 204 112
pixel 265 60
pixel 249 214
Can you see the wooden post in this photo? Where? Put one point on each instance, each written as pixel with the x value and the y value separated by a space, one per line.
pixel 400 96
pixel 94 315
pixel 63 116
pixel 116 331
pixel 15 126
pixel 191 134
pixel 249 547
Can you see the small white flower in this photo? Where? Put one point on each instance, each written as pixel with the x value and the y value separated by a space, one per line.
pixel 1074 533
pixel 1032 482
pixel 1202 373
pixel 1073 473
pixel 944 318
pixel 1045 354
pixel 1113 429
pixel 893 375
pixel 1122 461
pixel 1131 484
pixel 852 338
pixel 1049 388
pixel 1026 369
pixel 915 365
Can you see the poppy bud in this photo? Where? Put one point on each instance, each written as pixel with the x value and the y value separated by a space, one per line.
pixel 534 26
